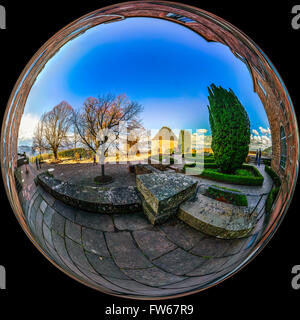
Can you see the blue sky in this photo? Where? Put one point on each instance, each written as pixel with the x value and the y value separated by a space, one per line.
pixel 162 65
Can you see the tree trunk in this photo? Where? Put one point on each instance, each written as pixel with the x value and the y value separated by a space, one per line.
pixel 55 153
pixel 102 170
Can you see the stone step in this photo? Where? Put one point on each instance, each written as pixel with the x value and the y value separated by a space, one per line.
pixel 162 193
pixel 217 218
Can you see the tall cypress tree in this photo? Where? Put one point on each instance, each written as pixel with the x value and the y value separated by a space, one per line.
pixel 230 128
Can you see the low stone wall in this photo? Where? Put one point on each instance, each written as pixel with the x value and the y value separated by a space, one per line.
pixel 216 218
pixel 93 199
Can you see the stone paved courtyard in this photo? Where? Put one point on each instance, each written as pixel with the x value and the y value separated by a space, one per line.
pixel 124 254
pixel 84 173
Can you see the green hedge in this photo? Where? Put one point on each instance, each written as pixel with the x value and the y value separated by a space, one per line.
pixel 206 165
pixel 256 180
pixel 271 198
pixel 273 175
pixel 227 195
pixel 267 162
pixel 70 153
pixel 274 191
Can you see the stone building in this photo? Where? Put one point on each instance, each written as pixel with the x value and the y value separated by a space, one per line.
pixel 164 142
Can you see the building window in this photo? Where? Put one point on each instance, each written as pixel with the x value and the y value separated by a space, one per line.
pixel 282 148
pixel 179 17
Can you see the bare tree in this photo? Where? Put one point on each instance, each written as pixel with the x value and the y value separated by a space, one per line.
pixel 38 142
pixel 75 137
pixel 100 122
pixel 56 124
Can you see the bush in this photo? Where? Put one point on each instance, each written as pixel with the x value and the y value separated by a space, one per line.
pixel 274 191
pixel 256 179
pixel 230 128
pixel 70 153
pixel 273 176
pixel 205 165
pixel 226 195
pixel 271 198
pixel 267 162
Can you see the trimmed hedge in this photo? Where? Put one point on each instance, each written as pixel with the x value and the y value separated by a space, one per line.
pixel 226 195
pixel 271 198
pixel 274 191
pixel 256 180
pixel 70 153
pixel 206 165
pixel 273 175
pixel 267 162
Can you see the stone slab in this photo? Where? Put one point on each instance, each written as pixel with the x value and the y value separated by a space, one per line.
pixel 162 193
pixel 216 218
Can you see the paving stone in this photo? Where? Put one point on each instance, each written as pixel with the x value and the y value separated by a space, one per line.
pixel 125 252
pixel 106 286
pixel 39 224
pixel 48 216
pixel 178 262
pixel 191 283
pixel 235 246
pixel 60 246
pixel 47 234
pixel 66 211
pixel 105 266
pixel 94 241
pixel 48 198
pixel 211 247
pixel 73 231
pixel 43 206
pixel 37 202
pixel 181 234
pixel 77 254
pixel 58 223
pixel 153 276
pixel 153 243
pixel 97 221
pixel 209 265
pixel 133 285
pixel 54 255
pixel 131 221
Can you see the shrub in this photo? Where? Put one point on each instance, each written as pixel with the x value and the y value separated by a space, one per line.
pixel 70 153
pixel 230 127
pixel 273 175
pixel 227 195
pixel 256 179
pixel 274 191
pixel 271 198
pixel 267 162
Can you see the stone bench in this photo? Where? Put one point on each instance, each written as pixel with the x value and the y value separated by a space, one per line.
pixel 162 193
pixel 94 199
pixel 219 219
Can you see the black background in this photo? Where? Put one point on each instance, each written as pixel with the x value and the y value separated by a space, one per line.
pixel 33 281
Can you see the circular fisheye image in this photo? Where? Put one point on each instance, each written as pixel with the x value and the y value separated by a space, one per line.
pixel 149 150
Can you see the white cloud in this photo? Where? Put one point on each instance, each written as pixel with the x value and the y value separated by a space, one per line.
pixel 265 131
pixel 27 126
pixel 255 132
